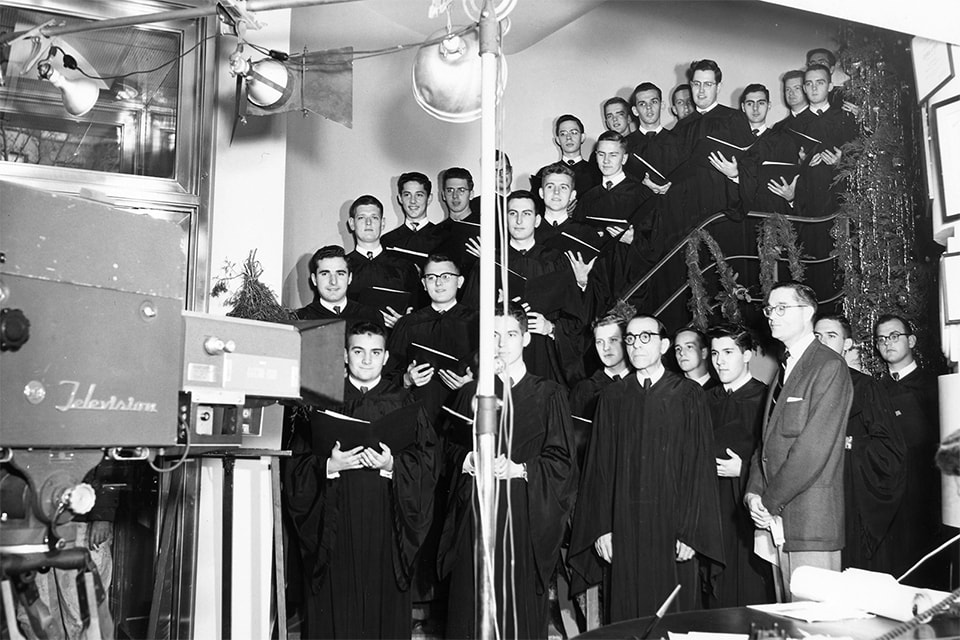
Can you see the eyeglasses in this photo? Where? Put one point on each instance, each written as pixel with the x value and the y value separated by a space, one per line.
pixel 442 278
pixel 892 337
pixel 706 85
pixel 643 337
pixel 780 309
pixel 455 190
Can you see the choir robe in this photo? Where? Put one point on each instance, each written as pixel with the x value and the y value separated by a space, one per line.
pixel 360 533
pixel 796 122
pixel 455 331
pixel 916 529
pixel 583 404
pixel 737 423
pixel 530 514
pixel 557 358
pixel 424 240
pixel 624 264
pixel 873 477
pixel 388 270
pixel 650 478
pixel 658 149
pixel 352 313
pixel 452 243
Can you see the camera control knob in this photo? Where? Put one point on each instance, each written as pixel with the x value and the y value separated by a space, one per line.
pixel 80 498
pixel 14 329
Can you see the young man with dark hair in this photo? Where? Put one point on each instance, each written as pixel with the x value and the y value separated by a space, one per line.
pixel 555 318
pixel 416 233
pixel 796 474
pixel 330 276
pixel 736 407
pixel 681 102
pixel 503 186
pixel 536 473
pixel 828 59
pixel 651 141
pixel 693 356
pixel 616 115
pixel 796 101
pixel 461 225
pixel 370 265
pixel 873 469
pixel 569 136
pixel 647 503
pixel 361 512
pixel 917 528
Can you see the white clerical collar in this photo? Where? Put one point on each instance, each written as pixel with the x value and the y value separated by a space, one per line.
pixel 904 372
pixel 360 384
pixel 516 371
pixel 646 131
pixel 616 179
pixel 329 306
pixel 738 384
pixel 370 253
pixel 708 109
pixel 574 159
pixel 702 380
pixel 799 111
pixel 653 375
pixel 553 217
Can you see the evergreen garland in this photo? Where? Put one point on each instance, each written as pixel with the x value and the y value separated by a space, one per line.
pixel 731 291
pixel 875 233
pixel 776 237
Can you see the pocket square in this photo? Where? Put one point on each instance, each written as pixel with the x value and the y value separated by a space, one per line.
pixel 794 399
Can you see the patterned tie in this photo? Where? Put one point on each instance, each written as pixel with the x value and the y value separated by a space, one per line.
pixel 336 309
pixel 608 185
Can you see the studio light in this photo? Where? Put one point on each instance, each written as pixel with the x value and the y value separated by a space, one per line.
pixel 78 95
pixel 446 76
pixel 268 81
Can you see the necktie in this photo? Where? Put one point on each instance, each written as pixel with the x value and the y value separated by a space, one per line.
pixel 818 112
pixel 779 384
pixel 756 132
pixel 646 384
pixel 414 225
pixel 370 255
pixel 554 224
pixel 571 162
pixel 895 376
pixel 650 134
pixel 364 389
pixel 336 309
pixel 608 185
pixel 729 392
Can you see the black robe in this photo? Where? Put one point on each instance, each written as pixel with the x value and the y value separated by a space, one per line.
pixel 424 240
pixel 650 478
pixel 352 313
pixel 917 529
pixel 535 511
pixel 583 404
pixel 737 424
pixel 586 175
pixel 455 332
pixel 360 533
pixel 557 358
pixel 873 479
pixel 385 270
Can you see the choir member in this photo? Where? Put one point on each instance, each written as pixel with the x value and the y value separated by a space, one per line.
pixel 569 137
pixel 536 473
pixel 693 356
pixel 736 406
pixel 362 511
pixel 461 224
pixel 330 276
pixel 416 233
pixel 648 500
pixel 681 102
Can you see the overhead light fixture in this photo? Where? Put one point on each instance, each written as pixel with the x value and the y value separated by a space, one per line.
pixel 268 81
pixel 447 78
pixel 78 95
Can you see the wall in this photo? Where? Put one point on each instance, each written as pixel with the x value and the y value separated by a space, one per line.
pixel 606 52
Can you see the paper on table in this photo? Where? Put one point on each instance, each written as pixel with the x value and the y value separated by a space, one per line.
pixel 813 611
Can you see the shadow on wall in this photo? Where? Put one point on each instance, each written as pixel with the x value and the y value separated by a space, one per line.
pixel 297 288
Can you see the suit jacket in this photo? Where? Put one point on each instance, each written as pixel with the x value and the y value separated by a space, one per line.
pixel 798 469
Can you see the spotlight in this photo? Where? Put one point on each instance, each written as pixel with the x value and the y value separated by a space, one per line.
pixel 268 81
pixel 78 95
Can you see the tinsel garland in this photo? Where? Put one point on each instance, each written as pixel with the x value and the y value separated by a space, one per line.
pixel 875 236
pixel 731 291
pixel 776 237
pixel 253 300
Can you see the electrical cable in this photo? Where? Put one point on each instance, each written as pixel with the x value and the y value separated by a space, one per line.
pixel 140 71
pixel 183 458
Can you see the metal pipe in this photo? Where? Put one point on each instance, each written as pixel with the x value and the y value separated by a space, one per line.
pixel 486 423
pixel 165 16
